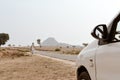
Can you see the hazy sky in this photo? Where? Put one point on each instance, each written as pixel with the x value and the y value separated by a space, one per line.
pixel 69 21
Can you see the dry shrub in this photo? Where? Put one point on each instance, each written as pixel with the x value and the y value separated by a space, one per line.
pixel 12 52
pixel 23 50
pixel 57 49
pixel 73 52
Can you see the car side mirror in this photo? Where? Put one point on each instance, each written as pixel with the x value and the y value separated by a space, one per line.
pixel 100 32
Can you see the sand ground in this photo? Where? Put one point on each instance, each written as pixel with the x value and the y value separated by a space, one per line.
pixel 35 68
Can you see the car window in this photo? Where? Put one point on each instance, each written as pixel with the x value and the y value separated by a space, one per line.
pixel 118 26
pixel 117 35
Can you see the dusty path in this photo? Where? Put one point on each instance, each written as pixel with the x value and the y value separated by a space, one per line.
pixel 35 68
pixel 57 55
pixel 72 63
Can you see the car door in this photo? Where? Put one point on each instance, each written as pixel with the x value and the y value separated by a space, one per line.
pixel 108 62
pixel 108 59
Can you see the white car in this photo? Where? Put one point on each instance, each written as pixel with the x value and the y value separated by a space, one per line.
pixel 100 60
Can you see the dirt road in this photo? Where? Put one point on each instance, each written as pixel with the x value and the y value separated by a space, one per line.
pixel 57 55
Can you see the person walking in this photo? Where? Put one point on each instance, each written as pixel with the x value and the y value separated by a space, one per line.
pixel 32 48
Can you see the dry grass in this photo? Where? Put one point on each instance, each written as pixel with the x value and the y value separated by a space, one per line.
pixel 15 65
pixel 63 50
pixel 13 52
pixel 35 68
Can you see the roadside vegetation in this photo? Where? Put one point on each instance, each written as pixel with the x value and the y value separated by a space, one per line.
pixel 63 50
pixel 73 52
pixel 14 52
pixel 57 49
pixel 35 68
pixel 4 37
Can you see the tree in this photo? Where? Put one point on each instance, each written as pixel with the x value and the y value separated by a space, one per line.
pixel 9 45
pixel 3 38
pixel 73 47
pixel 13 45
pixel 39 42
pixel 85 44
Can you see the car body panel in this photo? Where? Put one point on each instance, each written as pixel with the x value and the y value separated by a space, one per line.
pixel 108 62
pixel 84 57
